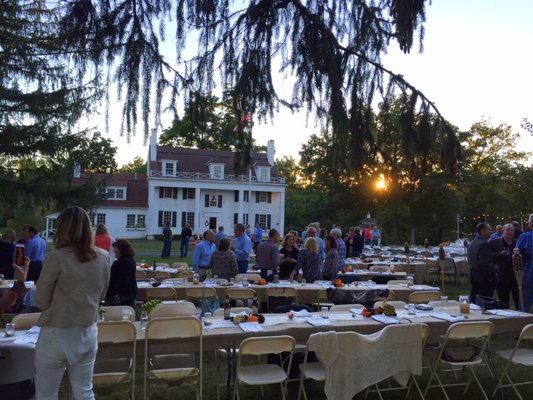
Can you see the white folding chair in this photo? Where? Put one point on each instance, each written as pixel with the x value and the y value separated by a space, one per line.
pixel 174 368
pixel 310 370
pixel 263 374
pixel 243 294
pixel 287 292
pixel 479 331
pixel 423 296
pixel 161 293
pixel 178 309
pixel 250 277
pixel 438 303
pixel 517 356
pixel 114 313
pixel 219 312
pixel 25 320
pixel 114 369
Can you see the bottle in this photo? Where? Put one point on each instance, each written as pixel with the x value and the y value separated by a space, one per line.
pixel 227 309
pixel 255 306
pixel 518 262
pixel 154 266
pixel 196 279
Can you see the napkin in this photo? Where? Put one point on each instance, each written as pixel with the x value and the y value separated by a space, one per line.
pixel 504 313
pixel 447 317
pixel 251 327
pixel 319 321
pixel 425 287
pixel 302 313
pixel 385 319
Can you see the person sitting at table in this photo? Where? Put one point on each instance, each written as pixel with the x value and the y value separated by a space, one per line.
pixel 122 289
pixel 73 281
pixel 11 299
pixel 267 255
pixel 7 253
pixel 308 261
pixel 331 263
pixel 223 261
pixel 289 250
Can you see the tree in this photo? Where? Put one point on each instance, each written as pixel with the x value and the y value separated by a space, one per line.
pixel 97 154
pixel 332 49
pixel 137 166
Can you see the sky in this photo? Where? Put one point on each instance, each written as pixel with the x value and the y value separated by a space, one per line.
pixel 477 63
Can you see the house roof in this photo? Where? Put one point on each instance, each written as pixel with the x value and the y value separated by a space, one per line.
pixel 198 160
pixel 137 188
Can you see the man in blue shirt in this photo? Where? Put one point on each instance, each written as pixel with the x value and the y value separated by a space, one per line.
pixel 341 246
pixel 525 244
pixel 201 259
pixel 258 236
pixel 35 250
pixel 242 246
pixel 219 235
pixel 311 232
pixel 498 233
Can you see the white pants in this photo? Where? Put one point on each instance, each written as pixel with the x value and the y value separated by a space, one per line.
pixel 51 361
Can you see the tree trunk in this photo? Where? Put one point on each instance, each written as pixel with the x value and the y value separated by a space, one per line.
pixel 412 236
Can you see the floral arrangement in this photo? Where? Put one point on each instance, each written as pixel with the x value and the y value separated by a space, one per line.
pixel 149 306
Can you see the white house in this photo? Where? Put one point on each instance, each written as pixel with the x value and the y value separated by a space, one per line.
pixel 183 185
pixel 202 188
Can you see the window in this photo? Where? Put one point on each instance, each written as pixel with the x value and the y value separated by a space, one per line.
pixel 167 217
pixel 246 195
pixel 263 174
pixel 100 219
pixel 167 193
pixel 169 168
pixel 245 219
pixel 189 219
pixel 264 220
pixel 191 193
pixel 141 220
pixel 114 193
pixel 213 201
pixel 263 197
pixel 217 171
pixel 130 220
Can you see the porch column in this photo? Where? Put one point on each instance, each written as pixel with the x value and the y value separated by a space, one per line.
pixel 197 202
pixel 241 206
pixel 282 213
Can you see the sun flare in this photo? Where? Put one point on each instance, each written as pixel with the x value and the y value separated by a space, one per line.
pixel 381 184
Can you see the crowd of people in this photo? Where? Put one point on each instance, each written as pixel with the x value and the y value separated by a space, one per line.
pixel 491 265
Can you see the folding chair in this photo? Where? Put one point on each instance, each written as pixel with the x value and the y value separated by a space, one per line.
pixel 311 370
pixel 479 331
pixel 345 307
pixel 391 296
pixel 450 270
pixel 250 277
pixel 243 294
pixel 25 320
pixel 398 305
pixel 161 364
pixel 199 292
pixel 380 268
pixel 114 313
pixel 281 291
pixel 161 275
pixel 161 293
pixel 263 374
pixel 518 355
pixel 438 303
pixel 114 368
pixel 424 296
pixel 178 309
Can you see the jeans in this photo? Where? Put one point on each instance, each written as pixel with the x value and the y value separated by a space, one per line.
pixel 50 364
pixel 167 246
pixel 184 247
pixel 34 271
pixel 527 293
pixel 243 266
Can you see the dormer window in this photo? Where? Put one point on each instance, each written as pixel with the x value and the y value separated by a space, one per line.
pixel 216 171
pixel 263 174
pixel 169 168
pixel 116 193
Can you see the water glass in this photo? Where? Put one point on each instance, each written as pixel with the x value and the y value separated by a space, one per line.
pixel 152 281
pixel 208 319
pixel 125 314
pixel 144 319
pixel 232 281
pixel 324 312
pixel 245 282
pixel 411 310
pixel 304 282
pixel 444 301
pixel 10 329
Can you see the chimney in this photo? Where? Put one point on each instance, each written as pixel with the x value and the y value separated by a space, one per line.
pixel 270 152
pixel 153 146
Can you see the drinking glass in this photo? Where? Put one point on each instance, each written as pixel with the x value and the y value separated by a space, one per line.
pixel 304 282
pixel 232 281
pixel 10 329
pixel 208 319
pixel 444 301
pixel 464 304
pixel 324 312
pixel 144 319
pixel 411 310
pixel 152 281
pixel 125 314
pixel 245 282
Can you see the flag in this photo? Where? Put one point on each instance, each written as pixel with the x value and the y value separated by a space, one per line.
pixel 245 119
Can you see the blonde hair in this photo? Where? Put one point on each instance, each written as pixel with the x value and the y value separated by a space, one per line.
pixel 287 236
pixel 74 230
pixel 311 245
pixel 101 230
pixel 9 236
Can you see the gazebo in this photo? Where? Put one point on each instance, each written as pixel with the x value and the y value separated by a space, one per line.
pixel 368 221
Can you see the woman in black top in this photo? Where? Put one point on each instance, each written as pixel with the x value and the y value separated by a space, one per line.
pixel 290 256
pixel 7 253
pixel 122 289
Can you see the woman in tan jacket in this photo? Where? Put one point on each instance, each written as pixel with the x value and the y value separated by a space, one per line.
pixel 73 280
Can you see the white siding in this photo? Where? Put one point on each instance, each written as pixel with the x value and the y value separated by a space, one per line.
pixel 116 219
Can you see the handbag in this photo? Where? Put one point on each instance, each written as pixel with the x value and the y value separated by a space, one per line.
pixel 459 353
pixel 209 304
pixel 488 303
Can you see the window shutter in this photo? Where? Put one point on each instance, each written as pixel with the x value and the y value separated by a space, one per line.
pixel 184 193
pixel 270 197
pixel 257 197
pixel 235 218
pixel 174 193
pixel 269 220
pixel 207 200
pixel 183 218
pixel 256 219
pixel 174 218
pixel 236 196
pixel 160 218
pixel 161 192
pixel 219 201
